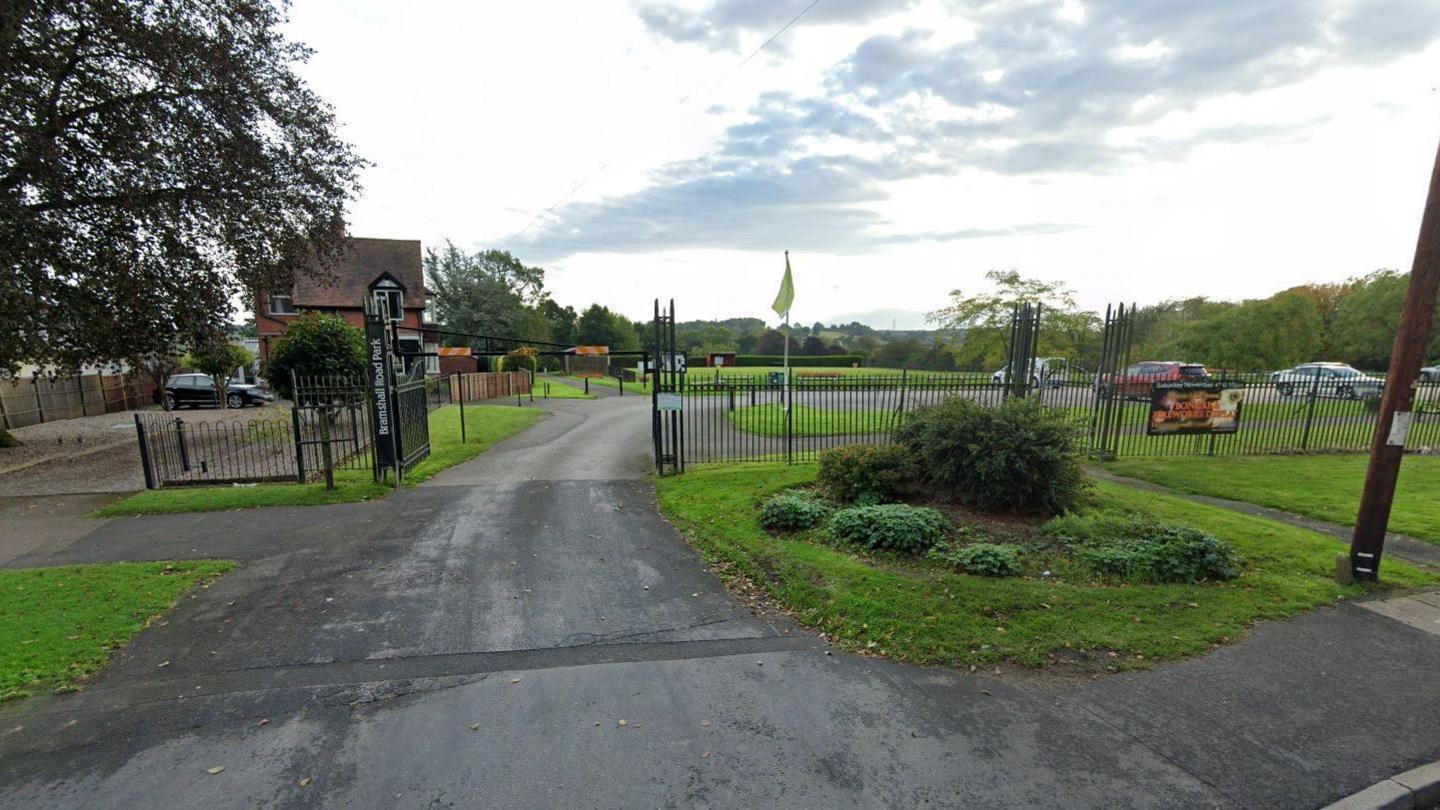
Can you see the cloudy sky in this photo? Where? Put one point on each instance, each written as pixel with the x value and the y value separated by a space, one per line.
pixel 1137 149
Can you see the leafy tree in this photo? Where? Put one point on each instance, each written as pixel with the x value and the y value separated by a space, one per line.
pixel 772 341
pixel 561 320
pixel 984 318
pixel 1271 333
pixel 812 346
pixel 598 326
pixel 157 161
pixel 218 359
pixel 484 293
pixel 1368 317
pixel 316 344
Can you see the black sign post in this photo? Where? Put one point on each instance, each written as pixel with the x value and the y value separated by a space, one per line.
pixel 382 394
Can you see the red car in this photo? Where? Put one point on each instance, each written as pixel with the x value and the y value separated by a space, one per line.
pixel 1135 381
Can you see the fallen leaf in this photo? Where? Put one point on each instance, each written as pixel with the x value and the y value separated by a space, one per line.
pixel 623 723
pixel 215 770
pixel 514 680
pixel 165 664
pixel 306 782
pixel 474 726
pixel 264 721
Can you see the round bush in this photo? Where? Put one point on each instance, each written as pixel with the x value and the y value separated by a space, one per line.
pixel 315 345
pixel 889 527
pixel 794 510
pixel 1020 456
pixel 1135 549
pixel 865 473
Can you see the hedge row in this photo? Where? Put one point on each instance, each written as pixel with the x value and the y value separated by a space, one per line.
pixel 823 360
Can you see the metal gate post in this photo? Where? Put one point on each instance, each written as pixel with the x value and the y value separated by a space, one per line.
pixel 144 453
pixel 299 448
pixel 1310 411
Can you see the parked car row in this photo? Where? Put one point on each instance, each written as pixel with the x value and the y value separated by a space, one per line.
pixel 198 391
pixel 1136 379
pixel 1327 380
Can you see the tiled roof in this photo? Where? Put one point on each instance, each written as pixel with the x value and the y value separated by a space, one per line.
pixel 362 264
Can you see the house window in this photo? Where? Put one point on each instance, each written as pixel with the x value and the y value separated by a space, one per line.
pixel 392 300
pixel 281 305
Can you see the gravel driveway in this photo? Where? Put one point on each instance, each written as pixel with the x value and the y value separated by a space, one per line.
pixel 93 453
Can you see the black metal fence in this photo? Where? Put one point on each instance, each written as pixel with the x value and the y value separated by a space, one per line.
pixel 328 430
pixel 734 416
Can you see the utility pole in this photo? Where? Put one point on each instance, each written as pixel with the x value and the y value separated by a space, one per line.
pixel 1388 446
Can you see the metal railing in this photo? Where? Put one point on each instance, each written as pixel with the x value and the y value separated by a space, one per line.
pixel 742 415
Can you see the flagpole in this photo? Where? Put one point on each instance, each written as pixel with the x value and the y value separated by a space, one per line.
pixel 787 343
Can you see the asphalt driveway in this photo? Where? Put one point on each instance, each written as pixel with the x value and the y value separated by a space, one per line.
pixel 525 631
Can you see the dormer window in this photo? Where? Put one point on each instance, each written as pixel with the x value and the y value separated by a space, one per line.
pixel 389 298
pixel 281 305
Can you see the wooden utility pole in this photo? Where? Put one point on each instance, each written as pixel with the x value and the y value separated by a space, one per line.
pixel 1388 446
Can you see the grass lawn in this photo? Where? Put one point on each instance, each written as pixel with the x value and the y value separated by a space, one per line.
pixel 557 389
pixel 927 613
pixel 60 624
pixel 1322 487
pixel 614 384
pixel 769 420
pixel 484 426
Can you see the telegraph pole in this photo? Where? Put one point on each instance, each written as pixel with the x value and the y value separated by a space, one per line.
pixel 1388 446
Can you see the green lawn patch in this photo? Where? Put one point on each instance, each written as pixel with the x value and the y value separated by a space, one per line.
pixel 614 384
pixel 58 625
pixel 485 425
pixel 551 388
pixel 1325 487
pixel 927 613
pixel 770 420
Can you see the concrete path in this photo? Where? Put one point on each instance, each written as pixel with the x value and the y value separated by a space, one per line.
pixel 526 631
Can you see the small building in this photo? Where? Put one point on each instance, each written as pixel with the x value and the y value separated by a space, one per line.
pixel 456 360
pixel 720 359
pixel 387 271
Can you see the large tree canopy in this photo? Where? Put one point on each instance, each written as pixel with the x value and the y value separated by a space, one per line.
pixel 490 293
pixel 158 158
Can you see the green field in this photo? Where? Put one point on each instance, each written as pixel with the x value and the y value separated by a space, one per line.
pixel 770 420
pixel 58 625
pixel 614 384
pixel 1325 487
pixel 928 614
pixel 485 425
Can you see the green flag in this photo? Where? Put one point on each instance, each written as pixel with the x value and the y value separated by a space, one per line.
pixel 786 297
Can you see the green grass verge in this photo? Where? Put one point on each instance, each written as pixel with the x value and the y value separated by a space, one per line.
pixel 1321 487
pixel 929 614
pixel 484 426
pixel 60 624
pixel 769 420
pixel 614 384
pixel 557 389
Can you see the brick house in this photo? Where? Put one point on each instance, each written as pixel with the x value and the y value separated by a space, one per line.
pixel 387 270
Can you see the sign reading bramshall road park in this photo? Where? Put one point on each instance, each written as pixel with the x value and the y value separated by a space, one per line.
pixel 1181 408
pixel 380 390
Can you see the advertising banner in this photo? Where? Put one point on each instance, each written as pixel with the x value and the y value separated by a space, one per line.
pixel 1193 408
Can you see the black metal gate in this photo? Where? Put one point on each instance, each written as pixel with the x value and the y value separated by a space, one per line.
pixel 412 420
pixel 667 395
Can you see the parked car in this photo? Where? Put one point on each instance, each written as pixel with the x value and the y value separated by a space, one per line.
pixel 1327 380
pixel 1049 370
pixel 1135 381
pixel 1430 374
pixel 198 391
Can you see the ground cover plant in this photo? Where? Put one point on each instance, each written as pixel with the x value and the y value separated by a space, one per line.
pixel 934 609
pixel 485 425
pixel 58 625
pixel 1325 487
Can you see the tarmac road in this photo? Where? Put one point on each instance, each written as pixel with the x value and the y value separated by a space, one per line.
pixel 526 631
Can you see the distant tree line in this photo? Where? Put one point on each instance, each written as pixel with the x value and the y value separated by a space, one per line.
pixel 493 292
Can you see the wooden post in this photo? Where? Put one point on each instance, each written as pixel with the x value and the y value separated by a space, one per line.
pixel 1387 447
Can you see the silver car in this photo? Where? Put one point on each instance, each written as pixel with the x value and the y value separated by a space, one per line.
pixel 1430 374
pixel 1327 380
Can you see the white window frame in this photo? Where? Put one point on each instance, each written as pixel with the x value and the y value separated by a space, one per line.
pixel 383 292
pixel 287 309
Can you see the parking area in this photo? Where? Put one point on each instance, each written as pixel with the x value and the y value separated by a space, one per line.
pixel 93 453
